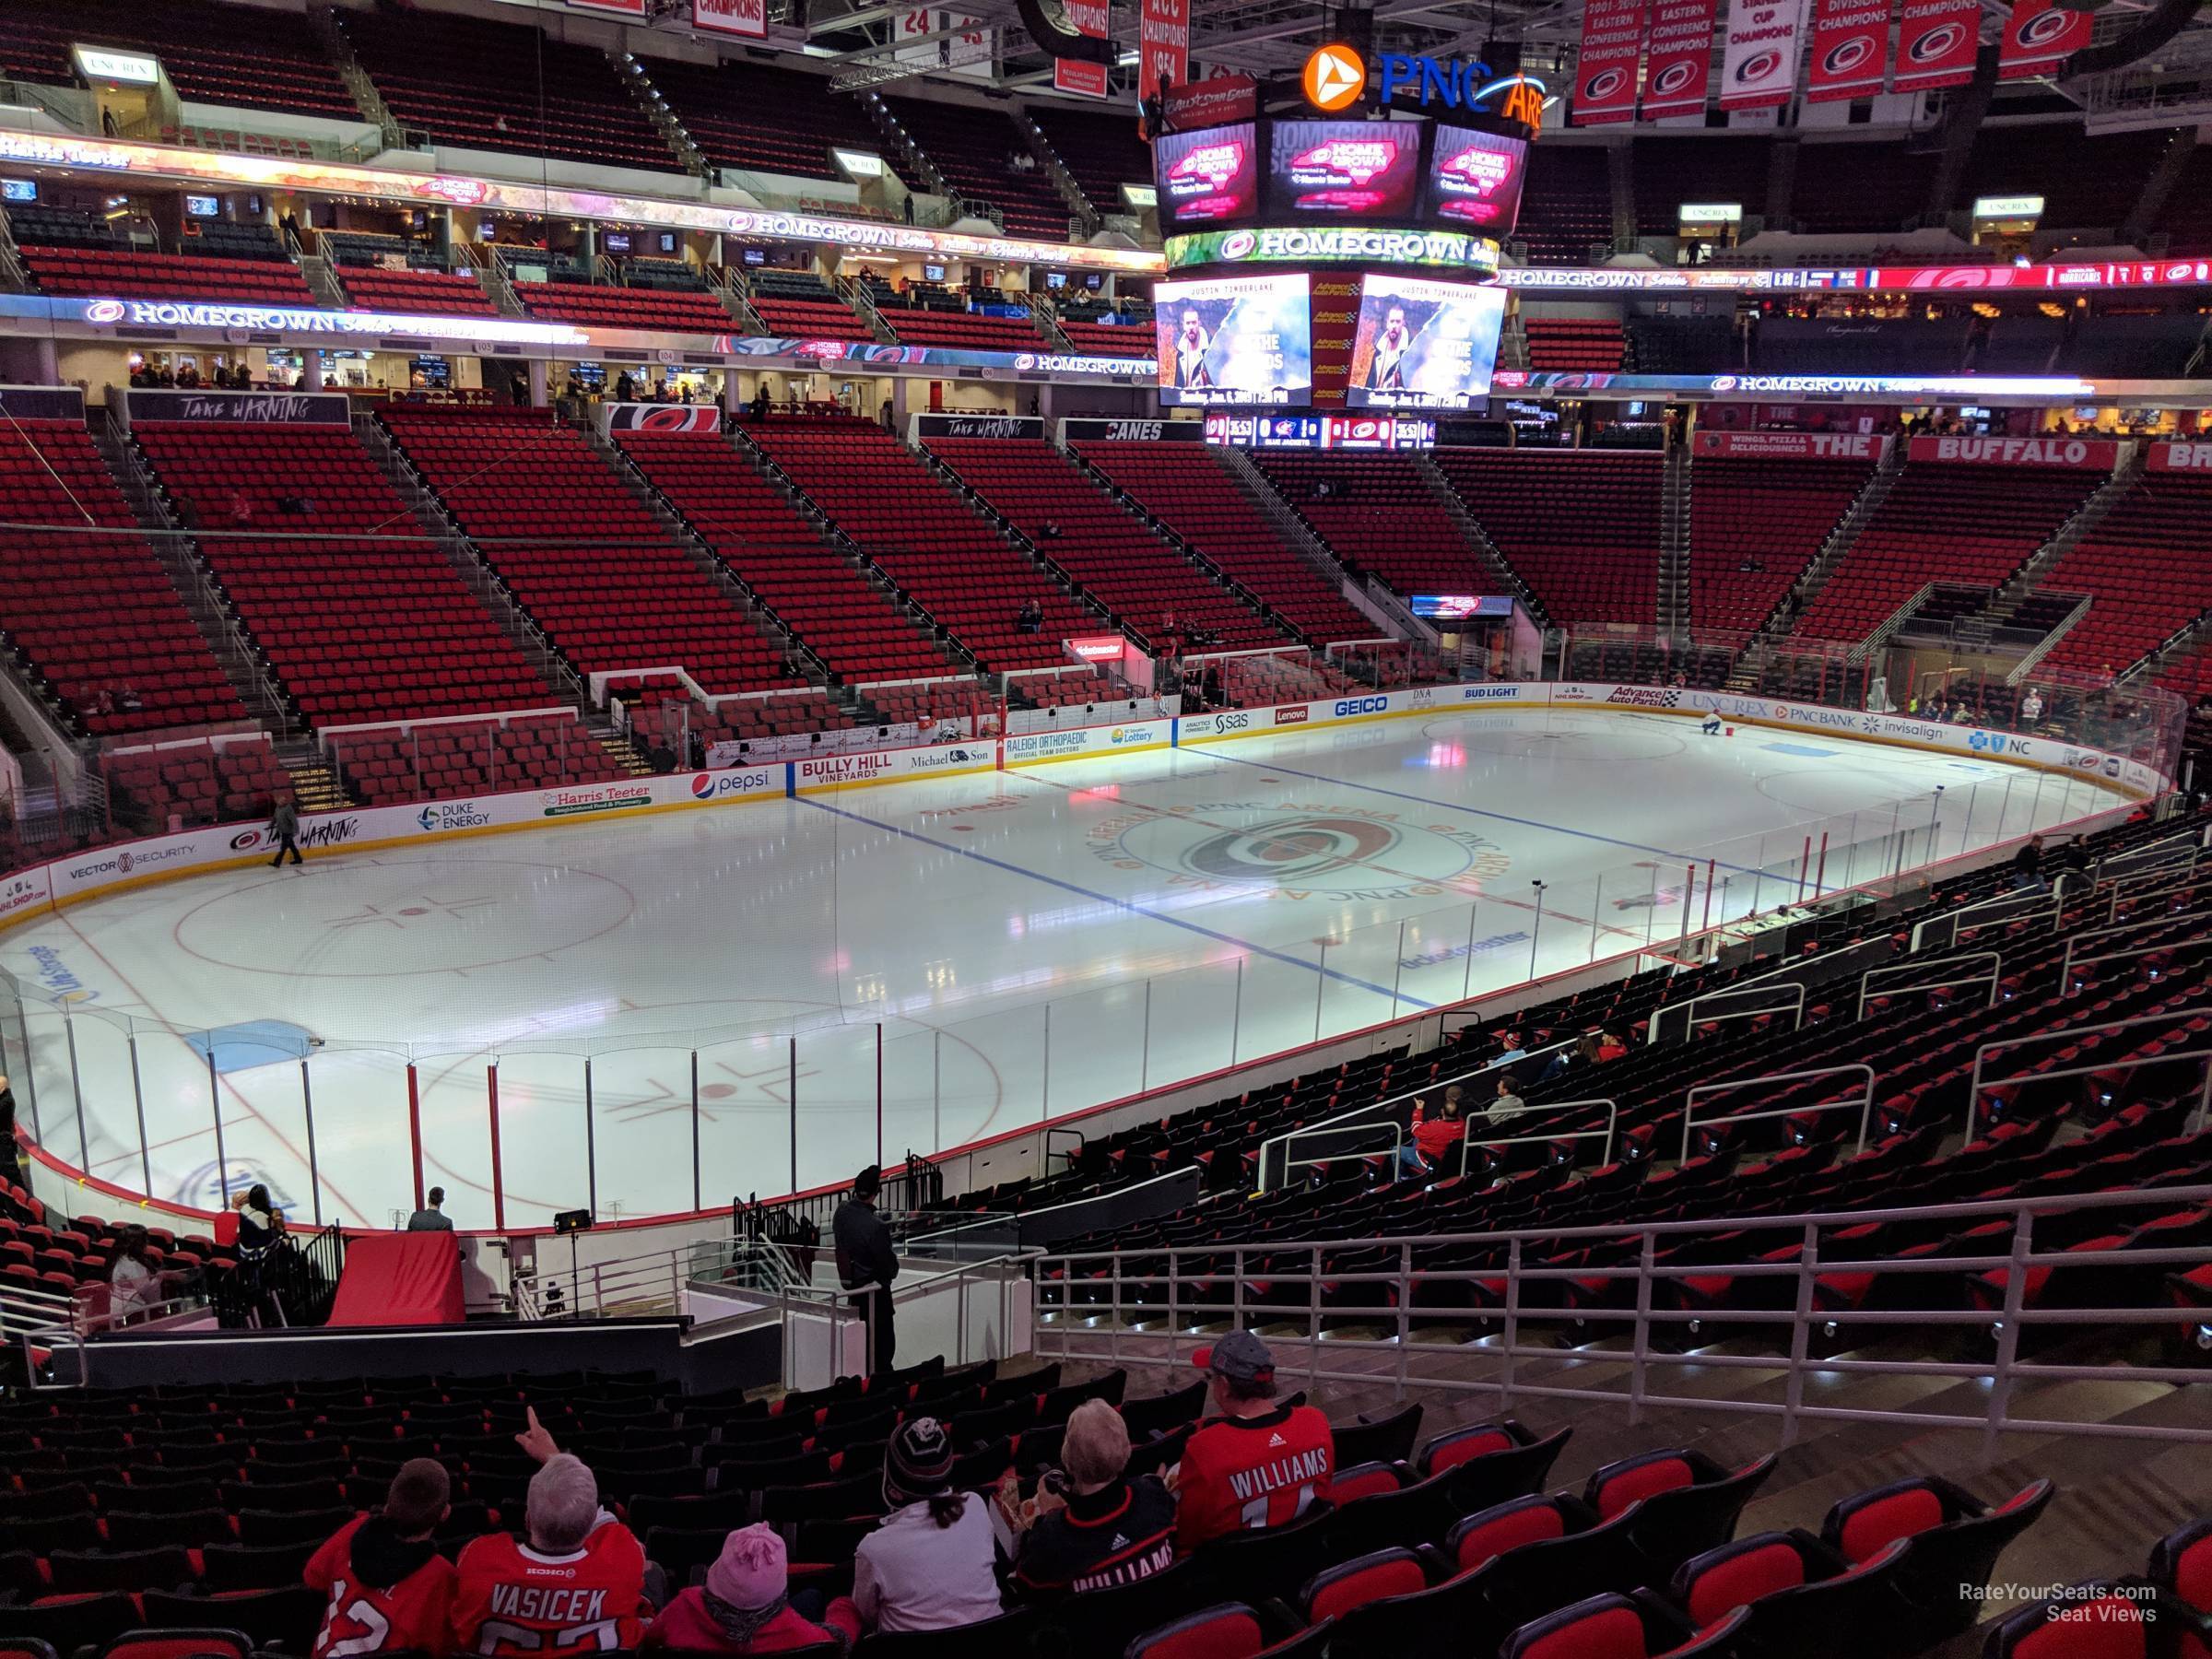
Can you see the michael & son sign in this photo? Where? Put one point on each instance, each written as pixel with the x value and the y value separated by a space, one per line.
pixel 37 890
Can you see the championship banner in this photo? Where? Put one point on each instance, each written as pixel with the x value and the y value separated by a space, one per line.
pixel 1677 65
pixel 1758 70
pixel 1163 45
pixel 1604 74
pixel 1077 76
pixel 627 8
pixel 1851 50
pixel 1936 44
pixel 2100 454
pixel 747 17
pixel 2039 36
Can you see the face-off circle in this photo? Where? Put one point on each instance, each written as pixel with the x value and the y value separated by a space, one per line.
pixel 1299 851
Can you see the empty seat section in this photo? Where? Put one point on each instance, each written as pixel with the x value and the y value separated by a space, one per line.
pixel 126 274
pixel 376 626
pixel 432 293
pixel 1378 516
pixel 607 307
pixel 1187 489
pixel 1770 514
pixel 195 782
pixel 1100 151
pixel 969 330
pixel 974 149
pixel 258 58
pixel 503 86
pixel 1580 526
pixel 768 120
pixel 1573 345
pixel 799 304
pixel 610 586
pixel 1670 169
pixel 1567 205
pixel 1966 524
pixel 1108 339
pixel 1117 561
pixel 89 618
pixel 924 539
pixel 812 589
pixel 2144 562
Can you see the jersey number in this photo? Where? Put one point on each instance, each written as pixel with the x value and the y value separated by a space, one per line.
pixel 1253 1515
pixel 496 1637
pixel 374 1625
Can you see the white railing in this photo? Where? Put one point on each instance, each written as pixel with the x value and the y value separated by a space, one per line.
pixel 2070 962
pixel 1982 1082
pixel 1103 1331
pixel 1864 1101
pixel 1948 981
pixel 1604 1156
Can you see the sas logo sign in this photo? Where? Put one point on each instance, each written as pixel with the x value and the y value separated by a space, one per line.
pixel 1235 721
pixel 1361 705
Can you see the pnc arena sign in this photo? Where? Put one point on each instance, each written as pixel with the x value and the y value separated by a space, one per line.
pixel 1335 77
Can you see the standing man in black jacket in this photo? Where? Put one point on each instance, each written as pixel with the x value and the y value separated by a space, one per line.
pixel 867 1265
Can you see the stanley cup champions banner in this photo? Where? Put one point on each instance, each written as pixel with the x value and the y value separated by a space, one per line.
pixel 1758 69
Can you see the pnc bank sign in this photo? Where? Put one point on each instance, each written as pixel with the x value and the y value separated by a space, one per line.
pixel 1336 76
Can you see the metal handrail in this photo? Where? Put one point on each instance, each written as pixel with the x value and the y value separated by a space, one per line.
pixel 1952 982
pixel 1978 1083
pixel 1689 1100
pixel 2001 1370
pixel 1688 1010
pixel 1612 1121
pixel 2055 899
pixel 2069 961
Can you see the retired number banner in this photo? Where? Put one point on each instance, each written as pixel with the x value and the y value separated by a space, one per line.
pixel 1605 75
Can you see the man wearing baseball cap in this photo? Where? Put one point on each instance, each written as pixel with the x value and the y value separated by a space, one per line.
pixel 1257 1463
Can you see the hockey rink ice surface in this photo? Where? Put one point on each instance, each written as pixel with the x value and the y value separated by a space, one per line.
pixel 1026 942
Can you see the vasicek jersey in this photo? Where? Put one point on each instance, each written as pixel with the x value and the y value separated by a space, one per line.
pixel 511 1599
pixel 1242 1474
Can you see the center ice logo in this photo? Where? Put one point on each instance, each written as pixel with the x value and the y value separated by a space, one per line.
pixel 1293 850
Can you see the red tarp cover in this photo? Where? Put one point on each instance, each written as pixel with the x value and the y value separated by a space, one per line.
pixel 400 1278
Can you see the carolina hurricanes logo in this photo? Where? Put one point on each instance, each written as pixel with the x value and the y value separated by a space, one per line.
pixel 104 310
pixel 1937 43
pixel 1675 77
pixel 2044 27
pixel 1290 849
pixel 1757 68
pixel 1239 244
pixel 1605 84
pixel 1847 55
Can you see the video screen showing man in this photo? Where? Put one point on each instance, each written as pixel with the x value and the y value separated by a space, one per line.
pixel 1234 340
pixel 1424 345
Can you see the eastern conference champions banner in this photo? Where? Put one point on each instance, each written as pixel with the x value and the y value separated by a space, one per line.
pixel 1677 65
pixel 1604 74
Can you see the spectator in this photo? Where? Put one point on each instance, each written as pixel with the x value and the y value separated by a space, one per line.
pixel 574 1584
pixel 240 506
pixel 431 1218
pixel 2032 707
pixel 134 1285
pixel 1610 1047
pixel 1097 1529
pixel 10 1169
pixel 744 1606
pixel 1433 1138
pixel 390 1590
pixel 260 1223
pixel 760 400
pixel 2028 865
pixel 867 1265
pixel 1257 1463
pixel 129 699
pixel 1581 1057
pixel 626 389
pixel 931 1565
pixel 284 830
pixel 1509 1094
pixel 1511 1049
pixel 1029 620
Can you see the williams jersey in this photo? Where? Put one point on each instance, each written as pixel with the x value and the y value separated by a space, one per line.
pixel 1242 1474
pixel 511 1599
pixel 409 1609
pixel 1117 1536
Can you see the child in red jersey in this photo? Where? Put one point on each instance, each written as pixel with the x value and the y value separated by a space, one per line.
pixel 1258 1464
pixel 575 1585
pixel 388 1587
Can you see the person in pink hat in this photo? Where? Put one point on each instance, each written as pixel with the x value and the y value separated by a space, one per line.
pixel 746 1605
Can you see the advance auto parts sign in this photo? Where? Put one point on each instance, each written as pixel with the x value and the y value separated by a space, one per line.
pixel 1326 244
pixel 1298 850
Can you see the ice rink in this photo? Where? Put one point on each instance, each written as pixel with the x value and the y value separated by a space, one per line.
pixel 926 963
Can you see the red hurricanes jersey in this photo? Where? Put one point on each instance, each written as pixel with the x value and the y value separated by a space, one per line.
pixel 510 1599
pixel 1246 1473
pixel 362 1620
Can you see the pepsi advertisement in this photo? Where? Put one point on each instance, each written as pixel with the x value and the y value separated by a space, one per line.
pixel 1474 179
pixel 1234 340
pixel 1208 177
pixel 1424 345
pixel 1362 170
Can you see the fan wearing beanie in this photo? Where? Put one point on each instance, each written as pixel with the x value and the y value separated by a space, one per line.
pixel 932 1564
pixel 746 1605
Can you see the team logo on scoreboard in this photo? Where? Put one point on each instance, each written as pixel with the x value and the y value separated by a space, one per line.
pixel 1335 76
pixel 1299 851
pixel 1941 41
pixel 1847 57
